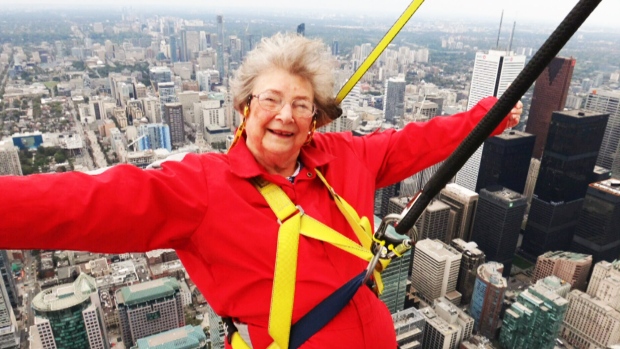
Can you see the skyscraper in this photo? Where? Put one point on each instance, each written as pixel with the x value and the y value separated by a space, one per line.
pixel 597 228
pixel 220 46
pixel 550 93
pixel 493 72
pixel 607 102
pixel 167 94
pixel 9 159
pixel 9 333
pixel 383 197
pixel 506 161
pixel 173 117
pixel 149 308
pixel 433 224
pixel 70 317
pixel 498 223
pixel 568 266
pixel 463 203
pixel 534 320
pixel 7 279
pixel 605 283
pixel 572 147
pixel 488 297
pixel 156 136
pixel 393 106
pixel 435 271
pixel 471 259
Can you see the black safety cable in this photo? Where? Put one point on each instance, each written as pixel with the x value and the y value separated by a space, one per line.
pixel 494 117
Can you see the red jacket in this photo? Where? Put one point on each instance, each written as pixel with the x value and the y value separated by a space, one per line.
pixel 222 228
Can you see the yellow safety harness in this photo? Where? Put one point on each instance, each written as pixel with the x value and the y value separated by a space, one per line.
pixel 293 223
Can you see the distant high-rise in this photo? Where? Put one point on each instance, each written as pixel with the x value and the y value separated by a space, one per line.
pixel 393 106
pixel 568 266
pixel 174 49
pixel 220 46
pixel 435 271
pixel 570 154
pixel 395 276
pixel 9 332
pixel 301 29
pixel 70 316
pixel 597 229
pixel 382 199
pixel 156 136
pixel 506 161
pixel 550 93
pixel 9 159
pixel 149 308
pixel 471 259
pixel 463 203
pixel 498 223
pixel 7 279
pixel 493 72
pixel 607 102
pixel 409 327
pixel 167 94
pixel 173 117
pixel 335 47
pixel 160 74
pixel 488 297
pixel 534 320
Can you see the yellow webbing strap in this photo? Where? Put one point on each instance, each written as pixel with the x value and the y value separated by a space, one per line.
pixel 376 52
pixel 294 223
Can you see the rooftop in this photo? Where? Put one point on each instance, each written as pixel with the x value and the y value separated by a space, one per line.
pixel 65 296
pixel 188 337
pixel 147 291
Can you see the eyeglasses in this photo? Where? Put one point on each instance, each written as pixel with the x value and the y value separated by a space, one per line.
pixel 273 102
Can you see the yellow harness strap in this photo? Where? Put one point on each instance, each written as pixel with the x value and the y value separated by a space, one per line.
pixel 294 222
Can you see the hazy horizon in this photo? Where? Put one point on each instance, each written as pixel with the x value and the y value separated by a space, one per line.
pixel 525 11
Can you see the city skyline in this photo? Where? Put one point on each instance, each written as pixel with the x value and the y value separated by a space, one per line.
pixel 551 12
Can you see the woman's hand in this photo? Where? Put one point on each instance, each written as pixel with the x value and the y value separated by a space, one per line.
pixel 515 115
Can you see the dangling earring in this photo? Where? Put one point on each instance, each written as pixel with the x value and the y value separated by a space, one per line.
pixel 239 132
pixel 311 132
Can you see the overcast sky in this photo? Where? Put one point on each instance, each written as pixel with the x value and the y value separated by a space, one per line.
pixel 552 11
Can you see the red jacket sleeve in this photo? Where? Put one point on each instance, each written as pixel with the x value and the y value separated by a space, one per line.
pixel 122 209
pixel 396 155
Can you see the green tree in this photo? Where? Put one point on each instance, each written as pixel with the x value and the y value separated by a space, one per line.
pixel 60 157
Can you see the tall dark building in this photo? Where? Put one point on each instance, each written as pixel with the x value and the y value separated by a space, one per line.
pixel 7 278
pixel 506 160
pixel 549 95
pixel 498 223
pixel 568 161
pixel 173 49
pixel 472 258
pixel 301 29
pixel 173 117
pixel 382 199
pixel 598 228
pixel 335 48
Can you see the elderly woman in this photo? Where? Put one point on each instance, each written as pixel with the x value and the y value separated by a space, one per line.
pixel 211 209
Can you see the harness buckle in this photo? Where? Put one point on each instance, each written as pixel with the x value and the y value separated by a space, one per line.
pixel 298 210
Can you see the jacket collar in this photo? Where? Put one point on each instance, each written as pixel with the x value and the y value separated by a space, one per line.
pixel 243 164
